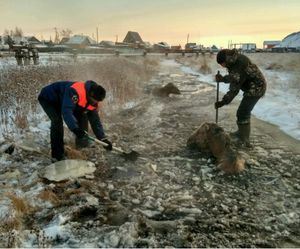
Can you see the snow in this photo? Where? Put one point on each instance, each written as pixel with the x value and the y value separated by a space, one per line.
pixel 68 169
pixel 280 105
pixel 276 107
pixel 55 228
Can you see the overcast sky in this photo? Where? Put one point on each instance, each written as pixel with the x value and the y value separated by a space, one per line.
pixel 207 22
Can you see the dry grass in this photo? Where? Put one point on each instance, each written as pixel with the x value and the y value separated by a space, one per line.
pixel 11 223
pixel 19 87
pixel 19 204
pixel 288 63
pixel 74 154
pixel 203 64
pixel 20 119
pixel 19 209
pixel 47 195
pixel 284 62
pixel 276 61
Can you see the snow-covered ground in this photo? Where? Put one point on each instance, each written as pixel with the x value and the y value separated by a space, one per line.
pixel 53 58
pixel 163 186
pixel 280 105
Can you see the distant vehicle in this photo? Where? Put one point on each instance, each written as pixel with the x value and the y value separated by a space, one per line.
pixel 191 46
pixel 176 48
pixel 161 46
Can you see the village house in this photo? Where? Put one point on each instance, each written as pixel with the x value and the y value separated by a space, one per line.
pixel 161 46
pixel 21 40
pixel 80 42
pixel 268 45
pixel 107 44
pixel 290 43
pixel 133 37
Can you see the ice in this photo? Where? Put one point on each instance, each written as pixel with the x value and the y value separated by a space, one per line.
pixel 67 169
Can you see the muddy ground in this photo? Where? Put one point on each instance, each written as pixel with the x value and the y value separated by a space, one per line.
pixel 170 196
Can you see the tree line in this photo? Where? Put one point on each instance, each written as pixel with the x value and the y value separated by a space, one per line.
pixel 18 32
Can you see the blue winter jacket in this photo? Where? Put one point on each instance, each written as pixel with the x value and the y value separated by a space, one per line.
pixel 61 94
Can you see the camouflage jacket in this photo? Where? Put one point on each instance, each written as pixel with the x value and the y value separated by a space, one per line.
pixel 242 75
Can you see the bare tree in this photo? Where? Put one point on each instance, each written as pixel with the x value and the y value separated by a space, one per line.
pixel 66 33
pixel 6 32
pixel 18 32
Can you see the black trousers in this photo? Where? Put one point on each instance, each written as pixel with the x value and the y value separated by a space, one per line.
pixel 243 113
pixel 56 129
pixel 53 111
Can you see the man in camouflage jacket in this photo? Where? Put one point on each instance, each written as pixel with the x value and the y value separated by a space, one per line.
pixel 242 75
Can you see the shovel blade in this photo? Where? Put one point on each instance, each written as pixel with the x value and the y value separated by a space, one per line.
pixel 131 156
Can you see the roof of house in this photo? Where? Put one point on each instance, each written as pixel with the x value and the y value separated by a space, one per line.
pixel 291 41
pixel 31 38
pixel 107 43
pixel 132 37
pixel 79 39
pixel 271 42
pixel 162 45
pixel 25 39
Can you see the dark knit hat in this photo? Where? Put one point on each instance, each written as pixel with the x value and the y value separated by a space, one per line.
pixel 96 91
pixel 221 56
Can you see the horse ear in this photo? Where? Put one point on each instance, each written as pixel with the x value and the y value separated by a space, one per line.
pixel 202 127
pixel 206 126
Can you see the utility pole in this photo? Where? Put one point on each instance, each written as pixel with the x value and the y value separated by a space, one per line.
pixel 97 33
pixel 116 38
pixel 56 39
pixel 187 39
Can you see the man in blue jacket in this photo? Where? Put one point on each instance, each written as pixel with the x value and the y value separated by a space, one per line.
pixel 76 103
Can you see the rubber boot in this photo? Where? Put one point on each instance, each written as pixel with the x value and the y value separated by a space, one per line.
pixel 82 143
pixel 244 134
pixel 235 135
pixel 54 160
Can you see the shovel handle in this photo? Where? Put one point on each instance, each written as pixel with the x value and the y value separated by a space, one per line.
pixel 105 144
pixel 217 111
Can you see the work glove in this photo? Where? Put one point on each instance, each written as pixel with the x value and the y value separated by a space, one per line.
pixel 219 104
pixel 219 78
pixel 80 134
pixel 109 144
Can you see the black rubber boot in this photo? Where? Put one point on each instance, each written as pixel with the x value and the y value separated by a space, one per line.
pixel 244 134
pixel 54 160
pixel 235 135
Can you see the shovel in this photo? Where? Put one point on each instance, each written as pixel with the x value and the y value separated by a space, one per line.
pixel 217 100
pixel 131 156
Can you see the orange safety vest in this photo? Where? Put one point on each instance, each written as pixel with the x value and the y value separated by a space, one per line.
pixel 81 91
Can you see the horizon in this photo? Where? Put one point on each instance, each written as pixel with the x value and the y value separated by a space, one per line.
pixel 208 23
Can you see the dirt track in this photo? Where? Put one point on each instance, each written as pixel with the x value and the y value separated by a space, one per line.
pixel 180 199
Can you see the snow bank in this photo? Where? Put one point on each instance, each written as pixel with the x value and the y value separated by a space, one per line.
pixel 280 105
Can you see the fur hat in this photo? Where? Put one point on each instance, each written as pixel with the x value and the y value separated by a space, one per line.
pixel 96 91
pixel 221 56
